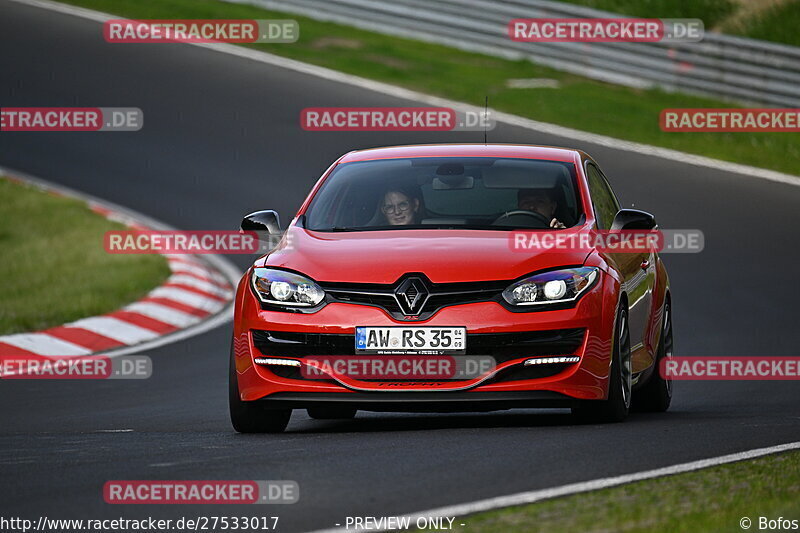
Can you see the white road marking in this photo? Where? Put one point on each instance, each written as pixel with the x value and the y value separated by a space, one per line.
pixel 43 344
pixel 181 260
pixel 180 267
pixel 221 268
pixel 222 317
pixel 186 297
pixel 408 94
pixel 602 140
pixel 115 328
pixel 232 273
pixel 199 284
pixel 523 498
pixel 165 314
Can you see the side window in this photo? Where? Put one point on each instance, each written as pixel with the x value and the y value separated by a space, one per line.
pixel 603 200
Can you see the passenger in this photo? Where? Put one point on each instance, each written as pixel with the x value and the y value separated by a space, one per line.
pixel 401 206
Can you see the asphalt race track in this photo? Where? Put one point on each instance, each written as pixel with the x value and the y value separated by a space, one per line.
pixel 221 138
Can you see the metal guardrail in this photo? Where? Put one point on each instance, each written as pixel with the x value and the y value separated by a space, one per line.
pixel 731 68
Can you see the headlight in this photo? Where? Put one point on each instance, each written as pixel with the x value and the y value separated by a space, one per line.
pixel 556 286
pixel 279 287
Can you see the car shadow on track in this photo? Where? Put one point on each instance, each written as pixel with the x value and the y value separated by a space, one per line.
pixel 378 422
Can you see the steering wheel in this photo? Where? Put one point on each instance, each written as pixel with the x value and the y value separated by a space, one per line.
pixel 525 216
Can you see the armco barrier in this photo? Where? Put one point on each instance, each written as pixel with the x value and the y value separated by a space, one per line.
pixel 731 68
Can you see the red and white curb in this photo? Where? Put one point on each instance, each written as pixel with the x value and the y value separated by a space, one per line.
pixel 197 296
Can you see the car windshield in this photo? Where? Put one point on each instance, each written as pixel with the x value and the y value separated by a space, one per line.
pixel 446 193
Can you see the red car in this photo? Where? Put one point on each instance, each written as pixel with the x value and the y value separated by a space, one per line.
pixel 408 255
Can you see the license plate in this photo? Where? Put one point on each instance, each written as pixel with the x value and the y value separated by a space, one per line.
pixel 411 341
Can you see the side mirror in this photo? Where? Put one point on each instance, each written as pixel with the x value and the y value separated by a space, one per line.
pixel 633 219
pixel 262 221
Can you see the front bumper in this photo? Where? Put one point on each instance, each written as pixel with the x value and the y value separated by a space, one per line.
pixel 422 402
pixel 584 380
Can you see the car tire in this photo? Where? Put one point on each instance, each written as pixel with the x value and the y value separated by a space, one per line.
pixel 656 395
pixel 616 407
pixel 250 417
pixel 331 412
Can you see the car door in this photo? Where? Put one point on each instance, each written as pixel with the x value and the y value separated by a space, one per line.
pixel 637 269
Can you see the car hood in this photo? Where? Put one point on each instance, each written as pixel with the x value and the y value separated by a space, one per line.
pixel 384 256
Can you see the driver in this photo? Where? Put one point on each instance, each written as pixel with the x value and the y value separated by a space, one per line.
pixel 539 201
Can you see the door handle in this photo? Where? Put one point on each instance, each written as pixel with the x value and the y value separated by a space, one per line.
pixel 645 264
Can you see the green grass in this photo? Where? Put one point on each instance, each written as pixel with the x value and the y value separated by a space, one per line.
pixel 711 11
pixel 709 500
pixel 777 23
pixel 768 21
pixel 54 266
pixel 579 103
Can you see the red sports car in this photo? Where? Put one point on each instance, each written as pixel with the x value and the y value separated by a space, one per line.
pixel 405 283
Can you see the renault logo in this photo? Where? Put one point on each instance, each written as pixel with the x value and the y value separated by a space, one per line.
pixel 411 295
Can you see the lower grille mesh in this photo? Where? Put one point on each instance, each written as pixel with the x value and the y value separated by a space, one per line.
pixel 502 346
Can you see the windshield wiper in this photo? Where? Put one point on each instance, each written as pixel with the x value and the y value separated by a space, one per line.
pixel 341 228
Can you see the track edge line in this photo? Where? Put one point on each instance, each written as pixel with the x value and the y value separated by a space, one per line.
pixel 534 496
pixel 409 94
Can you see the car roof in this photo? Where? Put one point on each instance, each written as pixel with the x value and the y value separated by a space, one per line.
pixel 525 151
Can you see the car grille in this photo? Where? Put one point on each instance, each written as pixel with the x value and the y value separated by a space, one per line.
pixel 514 373
pixel 520 372
pixel 435 297
pixel 507 346
pixel 502 346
